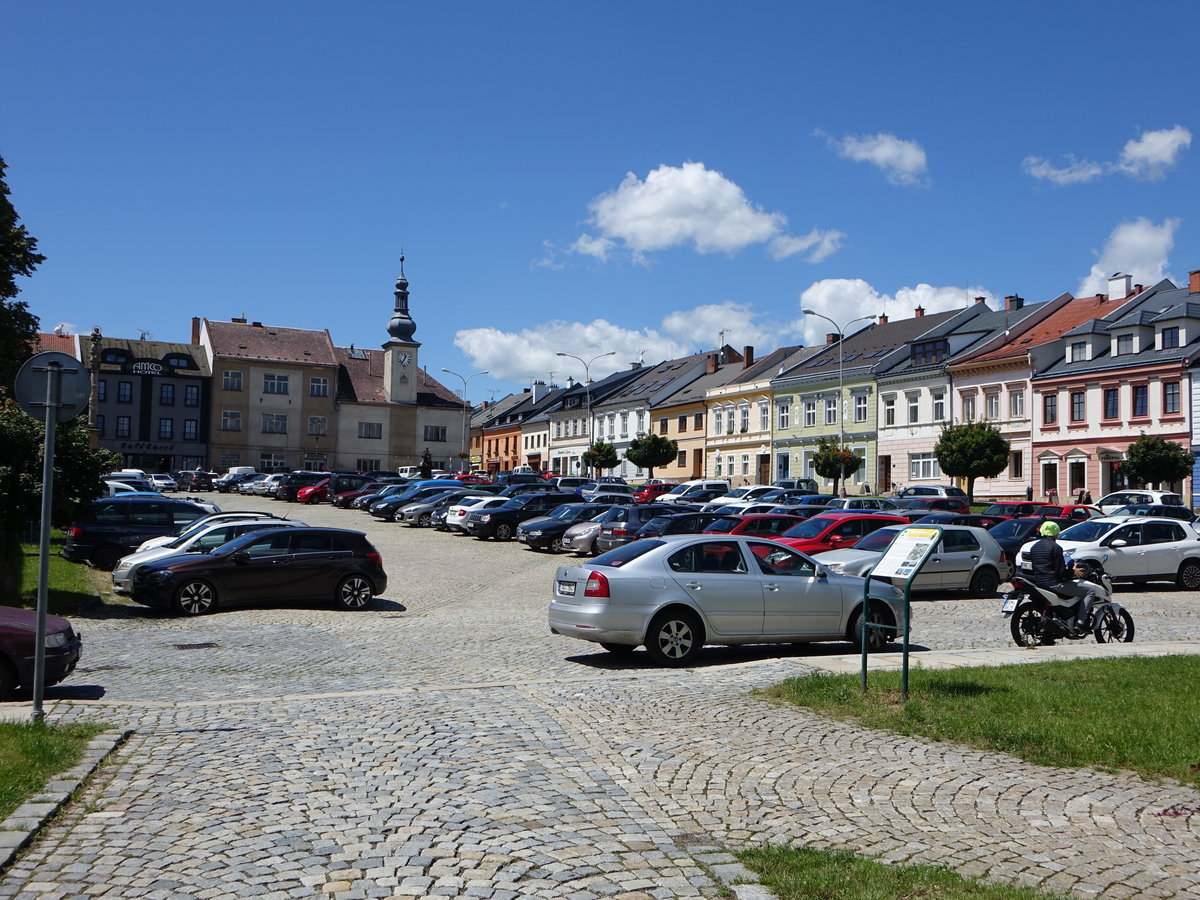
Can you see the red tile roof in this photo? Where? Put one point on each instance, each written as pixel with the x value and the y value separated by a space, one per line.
pixel 1072 313
pixel 59 343
pixel 360 380
pixel 235 340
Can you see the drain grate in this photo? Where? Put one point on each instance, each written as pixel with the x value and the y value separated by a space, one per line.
pixel 205 646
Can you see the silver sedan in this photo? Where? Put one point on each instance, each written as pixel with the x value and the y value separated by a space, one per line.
pixel 676 593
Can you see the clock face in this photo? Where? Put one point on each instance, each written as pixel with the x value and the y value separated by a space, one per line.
pixel 405 359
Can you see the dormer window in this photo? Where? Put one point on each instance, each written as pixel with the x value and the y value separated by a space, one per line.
pixel 1079 351
pixel 1124 344
pixel 926 353
pixel 1170 337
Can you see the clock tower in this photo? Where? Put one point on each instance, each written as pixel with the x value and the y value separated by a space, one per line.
pixel 400 352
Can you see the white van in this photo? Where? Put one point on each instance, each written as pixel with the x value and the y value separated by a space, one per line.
pixel 682 493
pixel 240 470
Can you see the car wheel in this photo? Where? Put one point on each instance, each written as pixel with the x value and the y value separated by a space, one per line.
pixel 195 598
pixel 106 557
pixel 354 592
pixel 877 639
pixel 556 545
pixel 984 583
pixel 618 649
pixel 503 532
pixel 8 680
pixel 674 638
pixel 423 520
pixel 1188 578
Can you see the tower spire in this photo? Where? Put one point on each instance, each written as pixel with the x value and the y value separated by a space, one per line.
pixel 402 326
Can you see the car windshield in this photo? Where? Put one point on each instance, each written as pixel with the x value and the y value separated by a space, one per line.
pixel 619 556
pixel 568 512
pixel 877 541
pixel 724 524
pixel 810 528
pixel 1086 532
pixel 1012 528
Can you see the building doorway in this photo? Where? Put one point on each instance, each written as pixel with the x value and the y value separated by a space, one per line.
pixel 884 475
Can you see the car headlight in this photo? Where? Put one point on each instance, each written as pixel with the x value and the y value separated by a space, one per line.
pixel 122 566
pixel 56 640
pixel 485 517
pixel 534 533
pixel 837 567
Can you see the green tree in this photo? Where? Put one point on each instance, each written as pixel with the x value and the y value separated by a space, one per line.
pixel 650 451
pixel 832 461
pixel 1154 460
pixel 600 456
pixel 972 450
pixel 18 256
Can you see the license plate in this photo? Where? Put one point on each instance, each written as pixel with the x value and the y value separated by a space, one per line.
pixel 1010 604
pixel 567 588
pixel 523 538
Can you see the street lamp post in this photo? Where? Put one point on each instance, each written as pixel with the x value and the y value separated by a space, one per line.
pixel 466 407
pixel 587 388
pixel 841 409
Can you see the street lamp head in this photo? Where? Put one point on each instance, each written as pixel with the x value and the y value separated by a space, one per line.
pixel 810 312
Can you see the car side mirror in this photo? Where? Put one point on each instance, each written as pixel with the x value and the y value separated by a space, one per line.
pixel 241 557
pixel 1119 542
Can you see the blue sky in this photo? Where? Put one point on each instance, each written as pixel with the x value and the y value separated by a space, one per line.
pixel 644 178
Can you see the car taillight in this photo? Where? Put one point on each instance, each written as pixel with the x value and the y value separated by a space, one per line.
pixel 375 557
pixel 619 530
pixel 1003 557
pixel 597 585
pixel 74 533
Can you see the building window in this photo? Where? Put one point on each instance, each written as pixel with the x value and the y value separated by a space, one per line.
pixel 366 464
pixel 166 429
pixel 1112 403
pixel 374 430
pixel 718 418
pixel 191 395
pixel 191 429
pixel 101 390
pixel 232 381
pixel 939 406
pixel 717 464
pixel 968 408
pixel 764 416
pixel 230 420
pixel 166 395
pixel 274 423
pixel 927 353
pixel 745 463
pixel 1124 344
pixel 273 462
pixel 830 411
pixel 662 424
pixel 435 433
pixel 318 387
pixel 1078 406
pixel 1050 409
pixel 229 459
pixel 1170 337
pixel 992 405
pixel 100 425
pixel 124 392
pixel 914 409
pixel 860 407
pixel 744 417
pixel 889 411
pixel 317 425
pixel 681 458
pixel 624 424
pixel 784 412
pixel 122 426
pixel 680 424
pixel 698 421
pixel 1016 404
pixel 810 413
pixel 1171 398
pixel 1078 351
pixel 923 466
pixel 275 384
pixel 1141 400
pixel 1016 464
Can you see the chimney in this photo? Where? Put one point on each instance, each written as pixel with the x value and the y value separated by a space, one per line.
pixel 195 330
pixel 980 299
pixel 1138 288
pixel 238 321
pixel 539 391
pixel 711 363
pixel 883 319
pixel 918 312
pixel 1118 285
pixel 1194 281
pixel 1014 302
pixel 255 324
pixel 747 357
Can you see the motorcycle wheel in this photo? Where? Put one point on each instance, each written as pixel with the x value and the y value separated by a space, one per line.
pixel 1114 627
pixel 1026 626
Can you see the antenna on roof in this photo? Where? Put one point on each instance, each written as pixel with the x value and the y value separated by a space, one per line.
pixel 144 335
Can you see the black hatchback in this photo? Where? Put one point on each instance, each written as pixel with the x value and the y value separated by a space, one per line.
pixel 112 528
pixel 272 565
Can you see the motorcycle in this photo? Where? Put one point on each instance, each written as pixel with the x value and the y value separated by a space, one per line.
pixel 1041 617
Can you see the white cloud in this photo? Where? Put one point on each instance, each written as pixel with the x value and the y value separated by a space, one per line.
pixel 1074 172
pixel 701 327
pixel 1138 248
pixel 1148 157
pixel 1154 152
pixel 846 299
pixel 691 205
pixel 902 162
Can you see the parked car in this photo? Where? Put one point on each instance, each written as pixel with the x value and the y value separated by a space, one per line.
pixel 610 499
pixel 861 503
pixel 389 506
pixel 648 492
pixel 527 487
pixel 314 493
pixel 546 532
pixel 675 594
pixel 998 512
pixel 590 491
pixel 265 487
pixel 580 538
pixel 18 632
pixel 803 511
pixel 1111 503
pixel 834 530
pixel 690 491
pixel 204 540
pixel 570 482
pixel 621 524
pixel 965 559
pixel 611 479
pixel 677 523
pixel 949 518
pixel 197 481
pixel 1156 509
pixel 291 483
pixel 164 483
pixel 364 501
pixel 1013 534
pixel 341 482
pixel 204 522
pixel 274 565
pixel 933 490
pixel 229 483
pixel 799 484
pixel 914 507
pixel 472 478
pixel 111 528
pixel 345 499
pixel 1078 512
pixel 500 522
pixel 419 513
pixel 250 485
pixel 1134 548
pixel 746 492
pixel 760 524
pixel 456 515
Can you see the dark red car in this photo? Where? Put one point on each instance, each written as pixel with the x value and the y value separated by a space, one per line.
pixel 648 492
pixel 759 523
pixel 834 530
pixel 998 512
pixel 314 493
pixel 17 649
pixel 473 478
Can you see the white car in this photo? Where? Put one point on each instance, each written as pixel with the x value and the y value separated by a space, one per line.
pixel 1136 496
pixel 1134 548
pixel 744 493
pixel 201 524
pixel 164 482
pixel 456 515
pixel 201 541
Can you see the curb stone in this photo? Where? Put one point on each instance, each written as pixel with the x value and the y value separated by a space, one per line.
pixel 734 876
pixel 24 823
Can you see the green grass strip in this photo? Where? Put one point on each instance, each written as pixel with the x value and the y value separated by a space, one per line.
pixel 796 873
pixel 33 753
pixel 1137 714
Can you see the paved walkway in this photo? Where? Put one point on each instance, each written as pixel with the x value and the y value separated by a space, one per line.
pixel 444 744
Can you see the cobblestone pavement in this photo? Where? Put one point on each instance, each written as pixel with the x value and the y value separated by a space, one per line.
pixel 444 743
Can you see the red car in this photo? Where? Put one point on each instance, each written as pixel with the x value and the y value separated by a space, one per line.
pixel 834 530
pixel 473 478
pixel 1078 511
pixel 761 523
pixel 314 493
pixel 648 492
pixel 1017 509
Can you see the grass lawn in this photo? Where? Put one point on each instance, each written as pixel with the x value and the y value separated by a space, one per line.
pixel 794 873
pixel 32 753
pixel 1133 713
pixel 71 589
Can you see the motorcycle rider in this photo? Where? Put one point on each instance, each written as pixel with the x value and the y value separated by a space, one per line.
pixel 1050 572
